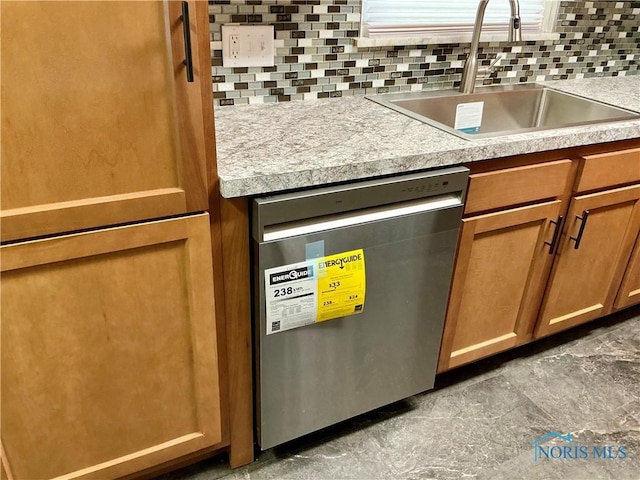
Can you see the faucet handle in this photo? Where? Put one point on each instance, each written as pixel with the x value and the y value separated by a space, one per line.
pixel 492 67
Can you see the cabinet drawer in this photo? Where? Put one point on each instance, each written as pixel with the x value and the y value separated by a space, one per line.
pixel 608 170
pixel 519 185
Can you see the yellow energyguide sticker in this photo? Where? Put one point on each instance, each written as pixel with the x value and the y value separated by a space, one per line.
pixel 341 285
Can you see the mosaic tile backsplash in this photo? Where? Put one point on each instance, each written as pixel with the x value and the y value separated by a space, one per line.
pixel 316 56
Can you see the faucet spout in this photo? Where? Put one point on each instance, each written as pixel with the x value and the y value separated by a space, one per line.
pixel 515 27
pixel 467 84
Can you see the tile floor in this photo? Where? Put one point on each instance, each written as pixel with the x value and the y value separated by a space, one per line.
pixel 481 420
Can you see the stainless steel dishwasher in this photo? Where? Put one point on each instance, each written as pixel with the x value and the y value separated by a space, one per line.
pixel 351 285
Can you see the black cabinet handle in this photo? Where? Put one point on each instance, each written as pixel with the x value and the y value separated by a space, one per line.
pixel 583 223
pixel 188 61
pixel 553 244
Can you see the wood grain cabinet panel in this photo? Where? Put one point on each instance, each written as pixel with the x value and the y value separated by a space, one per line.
pixel 99 123
pixel 498 282
pixel 508 287
pixel 108 350
pixel 584 281
pixel 629 293
pixel 516 186
pixel 607 170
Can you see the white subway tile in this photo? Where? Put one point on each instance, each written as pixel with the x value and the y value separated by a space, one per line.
pixel 224 87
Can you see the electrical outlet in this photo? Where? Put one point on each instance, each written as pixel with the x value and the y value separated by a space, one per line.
pixel 234 46
pixel 247 45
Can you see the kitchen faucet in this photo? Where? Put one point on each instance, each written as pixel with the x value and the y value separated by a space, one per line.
pixel 468 81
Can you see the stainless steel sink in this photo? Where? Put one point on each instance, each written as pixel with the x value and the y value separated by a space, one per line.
pixel 503 110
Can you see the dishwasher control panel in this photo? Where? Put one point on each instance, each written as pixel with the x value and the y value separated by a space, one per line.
pixel 359 195
pixel 425 188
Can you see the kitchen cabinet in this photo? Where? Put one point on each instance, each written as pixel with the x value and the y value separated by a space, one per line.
pixel 518 274
pixel 501 268
pixel 100 125
pixel 109 350
pixel 599 235
pixel 503 260
pixel 629 293
pixel 115 347
pixel 617 168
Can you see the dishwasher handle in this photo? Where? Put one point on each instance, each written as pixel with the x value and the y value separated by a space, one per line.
pixel 349 219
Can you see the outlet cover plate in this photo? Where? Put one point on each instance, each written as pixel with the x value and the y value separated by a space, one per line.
pixel 247 45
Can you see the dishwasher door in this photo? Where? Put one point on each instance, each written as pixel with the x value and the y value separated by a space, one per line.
pixel 405 230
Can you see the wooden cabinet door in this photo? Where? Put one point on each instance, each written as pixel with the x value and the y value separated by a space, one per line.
pixel 99 123
pixel 108 350
pixel 629 293
pixel 498 282
pixel 584 281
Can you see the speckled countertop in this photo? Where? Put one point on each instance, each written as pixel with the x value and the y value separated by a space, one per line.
pixel 273 147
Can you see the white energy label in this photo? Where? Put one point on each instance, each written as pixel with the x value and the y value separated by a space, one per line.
pixel 317 290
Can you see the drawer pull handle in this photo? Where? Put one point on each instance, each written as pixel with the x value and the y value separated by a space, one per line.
pixel 553 244
pixel 583 223
pixel 188 61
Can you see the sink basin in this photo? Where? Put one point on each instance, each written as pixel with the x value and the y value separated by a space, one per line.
pixel 502 110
